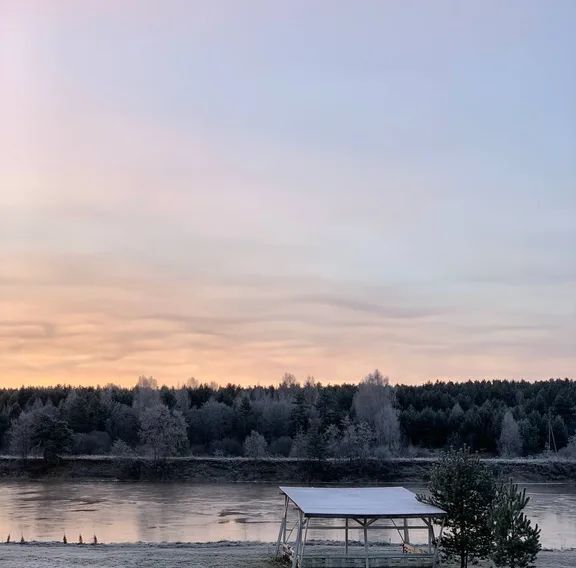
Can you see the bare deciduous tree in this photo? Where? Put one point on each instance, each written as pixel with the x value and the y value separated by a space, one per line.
pixel 146 395
pixel 255 445
pixel 374 404
pixel 571 447
pixel 21 435
pixel 510 442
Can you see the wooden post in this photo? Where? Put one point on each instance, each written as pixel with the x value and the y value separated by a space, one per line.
pixel 406 532
pixel 346 535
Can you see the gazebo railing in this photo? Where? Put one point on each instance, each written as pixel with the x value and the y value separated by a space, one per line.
pixel 389 556
pixel 305 554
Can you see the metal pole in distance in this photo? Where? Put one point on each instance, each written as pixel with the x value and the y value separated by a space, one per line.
pixel 298 540
pixel 346 529
pixel 282 532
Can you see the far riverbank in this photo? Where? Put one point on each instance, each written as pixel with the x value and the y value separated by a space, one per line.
pixel 271 470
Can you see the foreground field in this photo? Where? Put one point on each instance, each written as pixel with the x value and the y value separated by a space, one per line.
pixel 216 555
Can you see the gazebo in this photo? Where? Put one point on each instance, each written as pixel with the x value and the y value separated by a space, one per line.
pixel 366 509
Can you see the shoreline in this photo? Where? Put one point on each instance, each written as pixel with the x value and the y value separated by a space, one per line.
pixel 223 554
pixel 270 470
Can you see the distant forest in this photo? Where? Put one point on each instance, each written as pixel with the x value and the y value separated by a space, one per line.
pixel 309 420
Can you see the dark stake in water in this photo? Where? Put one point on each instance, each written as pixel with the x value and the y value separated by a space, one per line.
pixel 174 512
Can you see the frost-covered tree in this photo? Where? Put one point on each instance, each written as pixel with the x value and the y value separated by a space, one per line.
pixel 182 399
pixel 356 440
pixel 20 435
pixel 333 441
pixel 374 404
pixel 255 445
pixel 121 449
pixel 162 432
pixel 146 395
pixel 570 450
pixel 288 381
pixel 510 441
pixel 456 416
pixel 387 428
pixel 40 429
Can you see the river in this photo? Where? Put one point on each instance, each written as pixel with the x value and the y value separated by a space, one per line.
pixel 192 512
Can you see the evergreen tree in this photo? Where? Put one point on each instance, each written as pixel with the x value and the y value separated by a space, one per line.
pixel 316 441
pixel 516 541
pixel 356 440
pixel 51 435
pixel 299 447
pixel 465 488
pixel 299 413
pixel 245 414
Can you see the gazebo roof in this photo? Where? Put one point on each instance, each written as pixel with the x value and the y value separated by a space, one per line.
pixel 357 502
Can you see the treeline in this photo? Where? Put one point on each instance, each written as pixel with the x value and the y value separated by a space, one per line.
pixel 371 419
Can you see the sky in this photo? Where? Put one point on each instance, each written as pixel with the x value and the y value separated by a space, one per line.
pixel 234 190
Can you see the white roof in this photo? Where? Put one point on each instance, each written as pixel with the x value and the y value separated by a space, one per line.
pixel 342 502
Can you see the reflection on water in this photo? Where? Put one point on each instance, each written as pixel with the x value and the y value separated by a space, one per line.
pixel 192 512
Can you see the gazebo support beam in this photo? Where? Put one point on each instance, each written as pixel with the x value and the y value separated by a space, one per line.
pixel 282 533
pixel 436 561
pixel 367 562
pixel 303 543
pixel 406 532
pixel 298 541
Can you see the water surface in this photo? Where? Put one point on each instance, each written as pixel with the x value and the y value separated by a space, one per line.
pixel 193 512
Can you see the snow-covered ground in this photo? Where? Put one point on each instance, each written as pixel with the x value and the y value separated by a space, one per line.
pixel 214 555
pixel 217 555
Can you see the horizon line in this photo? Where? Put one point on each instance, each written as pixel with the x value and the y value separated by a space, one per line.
pixel 215 385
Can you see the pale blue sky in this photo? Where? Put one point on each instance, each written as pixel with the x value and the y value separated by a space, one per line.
pixel 244 189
